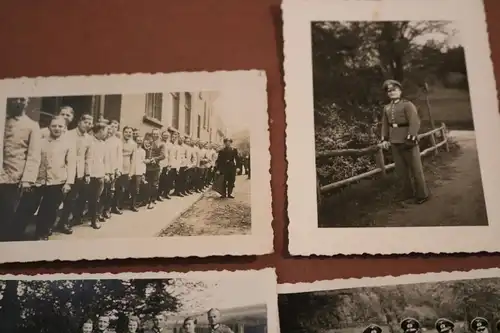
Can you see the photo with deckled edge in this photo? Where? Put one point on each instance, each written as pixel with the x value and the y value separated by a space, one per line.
pixel 135 166
pixel 432 302
pixel 337 71
pixel 140 302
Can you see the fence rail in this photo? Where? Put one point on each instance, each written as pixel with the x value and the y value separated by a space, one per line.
pixel 377 150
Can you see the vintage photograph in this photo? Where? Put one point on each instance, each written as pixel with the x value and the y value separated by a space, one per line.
pixel 166 164
pixel 394 125
pixel 140 303
pixel 394 133
pixel 458 302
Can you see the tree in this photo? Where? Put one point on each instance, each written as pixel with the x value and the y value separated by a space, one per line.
pixel 63 305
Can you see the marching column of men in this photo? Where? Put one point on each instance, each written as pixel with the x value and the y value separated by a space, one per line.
pixel 95 170
pixel 442 325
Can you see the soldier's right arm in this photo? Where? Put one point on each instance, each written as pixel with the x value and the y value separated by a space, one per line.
pixel 385 126
pixel 34 155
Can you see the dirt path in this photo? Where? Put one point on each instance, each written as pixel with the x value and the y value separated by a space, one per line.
pixel 455 184
pixel 212 215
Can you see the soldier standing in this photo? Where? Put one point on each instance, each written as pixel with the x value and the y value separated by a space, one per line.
pixel 129 148
pixel 100 173
pixel 444 325
pixel 21 160
pixel 173 152
pixel 227 162
pixel 479 325
pixel 214 321
pixel 180 182
pixel 400 126
pixel 373 328
pixel 74 202
pixel 410 325
pixel 55 176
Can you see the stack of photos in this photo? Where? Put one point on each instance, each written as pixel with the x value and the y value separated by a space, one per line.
pixel 135 166
pixel 391 120
pixel 391 116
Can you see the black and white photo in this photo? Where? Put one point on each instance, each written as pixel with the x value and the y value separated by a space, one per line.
pixel 457 302
pixel 393 122
pixel 140 303
pixel 166 157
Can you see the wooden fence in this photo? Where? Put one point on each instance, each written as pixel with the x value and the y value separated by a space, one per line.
pixel 377 150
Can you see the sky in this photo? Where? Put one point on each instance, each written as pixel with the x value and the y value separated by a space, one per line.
pixel 224 294
pixel 452 38
pixel 234 108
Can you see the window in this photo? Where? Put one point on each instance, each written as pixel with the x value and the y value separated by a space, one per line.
pixel 176 106
pixel 198 129
pixel 187 118
pixel 153 106
pixel 205 115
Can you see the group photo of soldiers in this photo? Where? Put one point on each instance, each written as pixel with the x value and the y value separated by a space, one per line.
pixel 169 305
pixel 455 306
pixel 80 170
pixel 394 131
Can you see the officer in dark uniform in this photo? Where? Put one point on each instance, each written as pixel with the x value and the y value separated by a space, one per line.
pixel 410 325
pixel 479 325
pixel 373 328
pixel 444 325
pixel 400 126
pixel 226 164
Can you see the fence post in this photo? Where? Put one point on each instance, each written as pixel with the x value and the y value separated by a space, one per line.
pixel 379 160
pixel 445 137
pixel 433 141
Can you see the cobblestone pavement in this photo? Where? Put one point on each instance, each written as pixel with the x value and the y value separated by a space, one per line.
pixel 212 215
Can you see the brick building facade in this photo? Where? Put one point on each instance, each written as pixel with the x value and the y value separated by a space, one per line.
pixel 192 113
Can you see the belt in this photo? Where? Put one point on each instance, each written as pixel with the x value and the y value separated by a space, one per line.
pixel 399 125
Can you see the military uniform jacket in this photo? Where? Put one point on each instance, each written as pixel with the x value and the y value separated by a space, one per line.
pixel 400 120
pixel 221 328
pixel 228 159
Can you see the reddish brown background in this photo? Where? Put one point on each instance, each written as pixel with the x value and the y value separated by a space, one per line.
pixel 81 37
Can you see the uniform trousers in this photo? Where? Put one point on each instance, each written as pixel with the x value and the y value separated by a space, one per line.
pixel 229 174
pixel 122 185
pixel 171 180
pixel 49 197
pixel 10 195
pixel 180 181
pixel 153 178
pixel 96 188
pixel 74 203
pixel 162 187
pixel 409 169
pixel 107 196
pixel 135 188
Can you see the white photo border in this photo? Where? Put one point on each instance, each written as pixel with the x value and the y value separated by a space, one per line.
pixel 266 287
pixel 305 238
pixel 259 241
pixel 353 283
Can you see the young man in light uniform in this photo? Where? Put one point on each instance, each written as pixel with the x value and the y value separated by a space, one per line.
pixel 74 202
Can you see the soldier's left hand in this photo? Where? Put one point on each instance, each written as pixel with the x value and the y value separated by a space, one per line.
pixel 237 170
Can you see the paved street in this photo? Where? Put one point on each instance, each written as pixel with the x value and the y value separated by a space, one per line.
pixel 143 224
pixel 213 215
